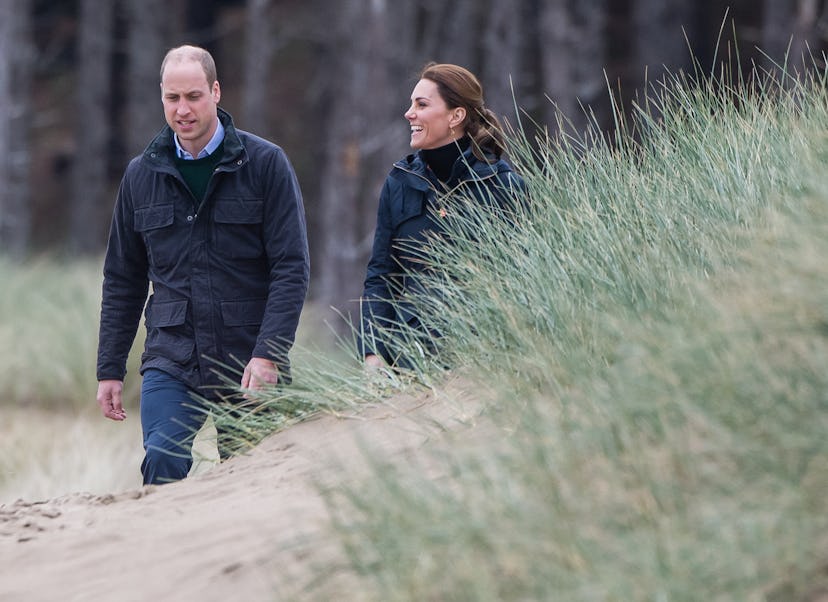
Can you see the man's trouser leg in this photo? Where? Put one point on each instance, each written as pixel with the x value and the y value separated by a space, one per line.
pixel 170 419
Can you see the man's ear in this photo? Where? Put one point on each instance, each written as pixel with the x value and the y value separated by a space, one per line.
pixel 216 91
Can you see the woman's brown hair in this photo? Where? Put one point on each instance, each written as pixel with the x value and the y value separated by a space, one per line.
pixel 459 87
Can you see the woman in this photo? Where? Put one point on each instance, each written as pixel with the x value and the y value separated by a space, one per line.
pixel 459 145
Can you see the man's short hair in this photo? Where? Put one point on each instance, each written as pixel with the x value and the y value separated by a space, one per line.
pixel 181 54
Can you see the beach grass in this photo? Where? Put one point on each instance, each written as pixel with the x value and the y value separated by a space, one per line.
pixel 653 329
pixel 49 311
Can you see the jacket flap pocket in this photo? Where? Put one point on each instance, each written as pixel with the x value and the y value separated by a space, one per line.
pixel 238 211
pixel 411 206
pixel 243 312
pixel 167 313
pixel 150 218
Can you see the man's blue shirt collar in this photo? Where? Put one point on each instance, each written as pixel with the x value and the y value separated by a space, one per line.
pixel 217 138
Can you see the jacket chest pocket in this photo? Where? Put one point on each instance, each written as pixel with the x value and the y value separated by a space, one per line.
pixel 155 225
pixel 238 228
pixel 411 206
pixel 411 221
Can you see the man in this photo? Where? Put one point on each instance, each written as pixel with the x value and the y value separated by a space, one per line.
pixel 213 217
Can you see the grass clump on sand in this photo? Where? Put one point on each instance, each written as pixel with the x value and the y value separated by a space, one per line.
pixel 49 311
pixel 654 325
pixel 53 440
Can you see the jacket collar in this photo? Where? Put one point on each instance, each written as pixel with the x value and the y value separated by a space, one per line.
pixel 468 168
pixel 161 150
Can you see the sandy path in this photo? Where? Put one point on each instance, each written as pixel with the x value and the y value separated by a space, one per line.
pixel 233 533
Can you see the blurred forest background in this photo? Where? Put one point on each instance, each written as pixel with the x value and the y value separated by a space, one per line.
pixel 329 81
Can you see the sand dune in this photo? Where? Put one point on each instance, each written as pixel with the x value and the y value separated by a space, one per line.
pixel 251 529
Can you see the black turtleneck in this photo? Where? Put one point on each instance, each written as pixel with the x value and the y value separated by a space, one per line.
pixel 441 160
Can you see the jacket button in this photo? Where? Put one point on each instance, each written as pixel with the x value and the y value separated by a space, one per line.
pixel 239 162
pixel 190 218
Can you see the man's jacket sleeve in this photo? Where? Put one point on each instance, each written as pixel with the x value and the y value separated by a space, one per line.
pixel 124 290
pixel 286 245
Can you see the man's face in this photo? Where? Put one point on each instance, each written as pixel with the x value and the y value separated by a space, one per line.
pixel 190 104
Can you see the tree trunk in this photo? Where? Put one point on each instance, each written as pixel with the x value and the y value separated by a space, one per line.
pixel 789 32
pixel 459 25
pixel 553 28
pixel 353 123
pixel 146 41
pixel 502 45
pixel 91 205
pixel 807 17
pixel 589 86
pixel 572 60
pixel 16 64
pixel 260 45
pixel 659 28
pixel 445 30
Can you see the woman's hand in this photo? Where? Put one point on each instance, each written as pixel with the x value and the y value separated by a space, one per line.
pixel 374 362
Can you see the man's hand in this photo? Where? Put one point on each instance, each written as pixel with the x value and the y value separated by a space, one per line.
pixel 258 374
pixel 109 398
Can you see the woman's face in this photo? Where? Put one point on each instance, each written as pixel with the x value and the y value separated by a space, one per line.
pixel 430 119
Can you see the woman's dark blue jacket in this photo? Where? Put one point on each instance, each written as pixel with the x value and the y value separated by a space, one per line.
pixel 229 273
pixel 407 214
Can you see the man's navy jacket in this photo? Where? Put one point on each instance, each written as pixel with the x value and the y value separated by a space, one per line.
pixel 229 273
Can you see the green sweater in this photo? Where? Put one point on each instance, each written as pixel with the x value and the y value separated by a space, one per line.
pixel 197 172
